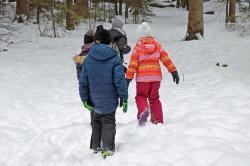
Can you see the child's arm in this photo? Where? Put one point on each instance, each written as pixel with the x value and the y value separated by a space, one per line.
pixel 83 85
pixel 167 62
pixel 133 65
pixel 119 79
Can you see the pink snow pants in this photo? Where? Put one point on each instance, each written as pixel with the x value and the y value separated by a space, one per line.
pixel 147 98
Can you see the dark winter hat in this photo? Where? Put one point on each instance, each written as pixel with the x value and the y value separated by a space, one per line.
pixel 103 36
pixel 89 37
pixel 99 27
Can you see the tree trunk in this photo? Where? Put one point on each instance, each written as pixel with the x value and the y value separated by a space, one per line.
pixel 38 11
pixel 1 7
pixel 195 19
pixel 187 4
pixel 116 7
pixel 126 11
pixel 135 16
pixel 178 3
pixel 53 17
pixel 21 10
pixel 104 10
pixel 69 20
pixel 81 7
pixel 232 6
pixel 227 11
pixel 230 11
pixel 184 3
pixel 109 12
pixel 120 7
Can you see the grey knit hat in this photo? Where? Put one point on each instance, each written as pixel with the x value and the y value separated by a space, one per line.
pixel 117 22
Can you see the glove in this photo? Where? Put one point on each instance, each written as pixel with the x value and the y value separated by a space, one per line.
pixel 126 49
pixel 124 105
pixel 128 81
pixel 88 105
pixel 176 78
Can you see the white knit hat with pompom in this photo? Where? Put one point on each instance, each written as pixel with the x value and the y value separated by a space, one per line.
pixel 144 30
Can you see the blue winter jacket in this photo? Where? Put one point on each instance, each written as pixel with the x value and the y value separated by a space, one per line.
pixel 102 79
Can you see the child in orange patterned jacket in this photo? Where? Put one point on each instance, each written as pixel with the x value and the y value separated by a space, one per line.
pixel 145 64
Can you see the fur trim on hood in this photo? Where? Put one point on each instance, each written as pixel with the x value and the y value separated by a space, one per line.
pixel 79 59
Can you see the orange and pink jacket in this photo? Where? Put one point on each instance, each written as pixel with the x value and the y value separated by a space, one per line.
pixel 145 61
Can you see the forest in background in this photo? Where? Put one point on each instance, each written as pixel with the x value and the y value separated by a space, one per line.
pixel 50 15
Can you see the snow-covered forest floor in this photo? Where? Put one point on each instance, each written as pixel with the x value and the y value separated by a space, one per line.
pixel 207 116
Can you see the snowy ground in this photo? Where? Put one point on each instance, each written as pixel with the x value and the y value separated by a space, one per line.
pixel 207 116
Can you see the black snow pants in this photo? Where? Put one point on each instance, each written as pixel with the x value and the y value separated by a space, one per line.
pixel 103 131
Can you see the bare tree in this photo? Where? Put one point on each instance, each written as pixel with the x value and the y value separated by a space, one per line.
pixel 178 3
pixel 135 8
pixel 109 12
pixel 70 25
pixel 126 10
pixel 230 11
pixel 81 7
pixel 22 10
pixel 195 20
pixel 1 7
pixel 52 7
pixel 104 10
pixel 232 8
pixel 185 3
pixel 120 7
pixel 116 7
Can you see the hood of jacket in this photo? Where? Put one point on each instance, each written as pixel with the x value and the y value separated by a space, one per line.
pixel 147 45
pixel 117 23
pixel 102 52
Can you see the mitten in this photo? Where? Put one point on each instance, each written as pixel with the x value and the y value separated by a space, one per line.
pixel 176 78
pixel 126 49
pixel 88 105
pixel 124 105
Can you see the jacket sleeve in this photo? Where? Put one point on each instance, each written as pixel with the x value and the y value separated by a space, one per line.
pixel 167 62
pixel 133 65
pixel 119 79
pixel 83 84
pixel 122 42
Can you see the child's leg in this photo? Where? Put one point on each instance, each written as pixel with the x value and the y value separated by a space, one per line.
pixel 78 70
pixel 91 122
pixel 96 131
pixel 108 131
pixel 155 104
pixel 142 94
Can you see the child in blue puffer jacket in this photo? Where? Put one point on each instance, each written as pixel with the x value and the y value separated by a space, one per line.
pixel 102 83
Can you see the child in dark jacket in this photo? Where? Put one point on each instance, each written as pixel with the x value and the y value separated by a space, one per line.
pixel 102 83
pixel 119 37
pixel 78 59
